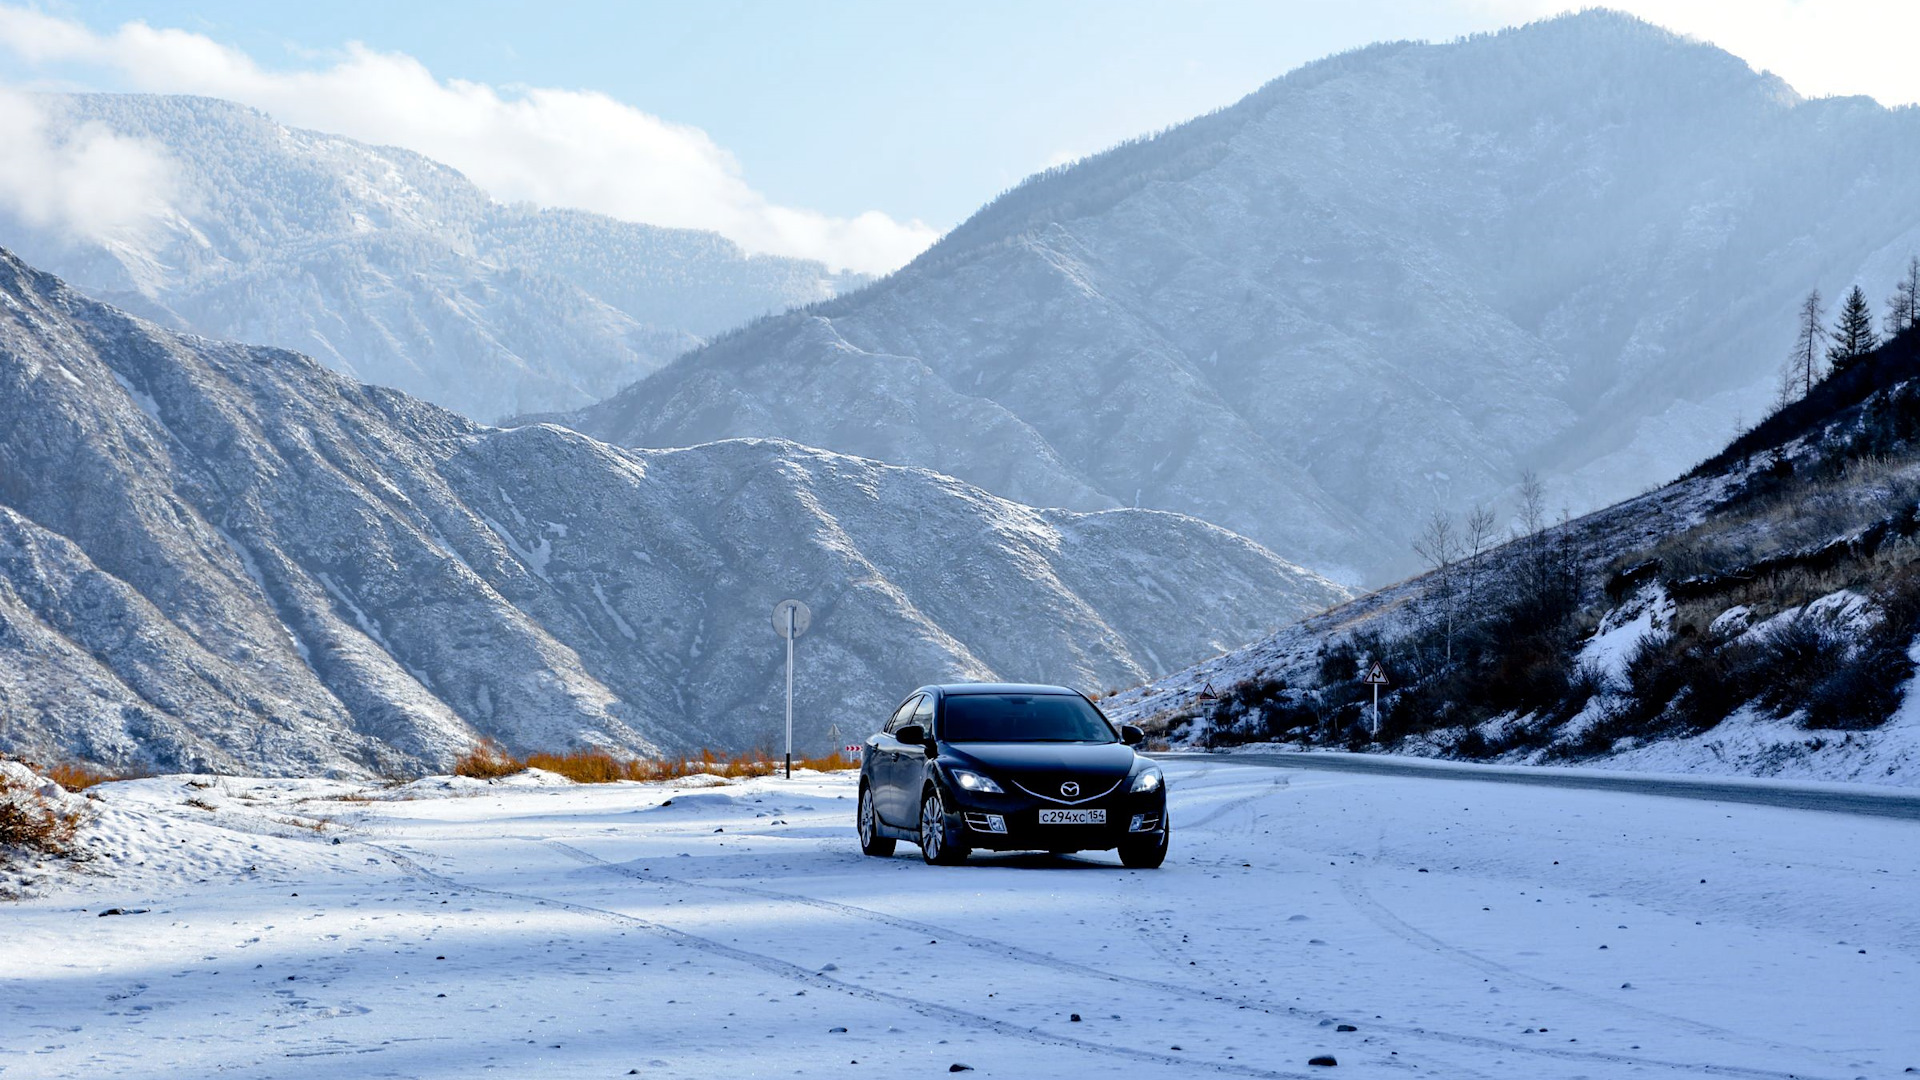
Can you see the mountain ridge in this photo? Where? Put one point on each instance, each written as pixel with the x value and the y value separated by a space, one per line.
pixel 222 557
pixel 396 268
pixel 1387 283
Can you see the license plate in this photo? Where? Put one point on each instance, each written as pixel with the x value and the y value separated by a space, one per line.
pixel 1073 817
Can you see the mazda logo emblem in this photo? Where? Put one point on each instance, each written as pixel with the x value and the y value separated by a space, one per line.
pixel 1069 789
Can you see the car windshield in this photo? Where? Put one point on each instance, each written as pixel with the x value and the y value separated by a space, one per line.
pixel 1023 718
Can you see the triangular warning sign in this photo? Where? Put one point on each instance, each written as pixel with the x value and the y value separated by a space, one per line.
pixel 1376 675
pixel 1206 693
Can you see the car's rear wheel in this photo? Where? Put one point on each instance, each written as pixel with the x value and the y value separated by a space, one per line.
pixel 871 842
pixel 938 845
pixel 1146 853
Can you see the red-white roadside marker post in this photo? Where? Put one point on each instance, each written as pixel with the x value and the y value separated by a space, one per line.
pixel 1376 678
pixel 790 619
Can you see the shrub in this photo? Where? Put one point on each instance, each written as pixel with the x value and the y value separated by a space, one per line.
pixel 1864 692
pixel 76 776
pixel 582 766
pixel 1339 662
pixel 31 822
pixel 487 761
pixel 1473 744
pixel 1801 652
pixel 1681 682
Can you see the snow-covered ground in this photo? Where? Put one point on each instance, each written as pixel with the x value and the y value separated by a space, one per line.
pixel 534 928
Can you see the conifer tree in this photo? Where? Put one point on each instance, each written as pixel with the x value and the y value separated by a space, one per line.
pixel 1853 335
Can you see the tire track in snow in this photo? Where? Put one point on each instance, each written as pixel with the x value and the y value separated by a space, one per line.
pixel 1364 902
pixel 1024 955
pixel 773 965
pixel 1231 805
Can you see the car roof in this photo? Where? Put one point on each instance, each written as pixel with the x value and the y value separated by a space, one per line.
pixel 954 689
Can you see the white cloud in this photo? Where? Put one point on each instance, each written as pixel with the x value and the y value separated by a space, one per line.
pixel 88 181
pixel 1832 47
pixel 550 147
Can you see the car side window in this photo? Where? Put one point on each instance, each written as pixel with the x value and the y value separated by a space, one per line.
pixel 924 714
pixel 903 714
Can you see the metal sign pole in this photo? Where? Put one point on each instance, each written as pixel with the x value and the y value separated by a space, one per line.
pixel 790 619
pixel 1376 678
pixel 790 637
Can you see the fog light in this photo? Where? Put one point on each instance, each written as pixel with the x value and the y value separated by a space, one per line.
pixel 1139 823
pixel 990 823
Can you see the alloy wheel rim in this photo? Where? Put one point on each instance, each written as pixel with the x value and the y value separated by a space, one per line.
pixel 866 817
pixel 930 825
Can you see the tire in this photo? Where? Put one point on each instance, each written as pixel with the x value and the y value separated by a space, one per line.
pixel 1146 854
pixel 938 845
pixel 867 822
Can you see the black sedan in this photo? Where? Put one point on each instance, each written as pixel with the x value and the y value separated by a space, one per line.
pixel 1009 768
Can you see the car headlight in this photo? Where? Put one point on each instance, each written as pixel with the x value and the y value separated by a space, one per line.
pixel 1148 780
pixel 973 781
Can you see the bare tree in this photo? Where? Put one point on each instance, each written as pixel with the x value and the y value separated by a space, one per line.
pixel 1532 532
pixel 1788 389
pixel 1481 521
pixel 1533 503
pixel 1439 545
pixel 1803 361
pixel 1903 307
pixel 1437 542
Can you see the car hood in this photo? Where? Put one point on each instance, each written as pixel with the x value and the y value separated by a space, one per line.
pixel 1112 760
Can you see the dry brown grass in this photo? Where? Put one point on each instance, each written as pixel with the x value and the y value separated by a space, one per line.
pixel 28 821
pixel 600 767
pixel 75 776
pixel 488 761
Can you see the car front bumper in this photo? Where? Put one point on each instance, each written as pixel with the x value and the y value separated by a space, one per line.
pixel 1012 822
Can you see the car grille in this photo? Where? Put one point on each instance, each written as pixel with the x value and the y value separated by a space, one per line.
pixel 1089 789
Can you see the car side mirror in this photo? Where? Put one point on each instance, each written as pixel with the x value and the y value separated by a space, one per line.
pixel 911 734
pixel 1132 735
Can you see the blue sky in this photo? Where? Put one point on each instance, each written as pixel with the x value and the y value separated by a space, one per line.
pixel 854 130
pixel 919 110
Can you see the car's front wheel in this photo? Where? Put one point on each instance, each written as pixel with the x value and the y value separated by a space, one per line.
pixel 871 842
pixel 1148 852
pixel 938 845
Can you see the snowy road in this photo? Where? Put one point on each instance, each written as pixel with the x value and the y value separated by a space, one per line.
pixel 1461 930
pixel 1838 798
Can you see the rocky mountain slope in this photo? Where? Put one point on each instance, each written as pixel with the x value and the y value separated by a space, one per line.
pixel 222 557
pixel 1388 280
pixel 1759 616
pixel 396 269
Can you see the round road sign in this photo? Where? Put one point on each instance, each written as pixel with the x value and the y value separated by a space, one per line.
pixel 791 618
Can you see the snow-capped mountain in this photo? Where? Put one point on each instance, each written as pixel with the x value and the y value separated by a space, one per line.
pixel 396 269
pixel 226 557
pixel 1392 279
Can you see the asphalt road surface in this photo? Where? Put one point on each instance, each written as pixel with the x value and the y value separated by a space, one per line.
pixel 1837 798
